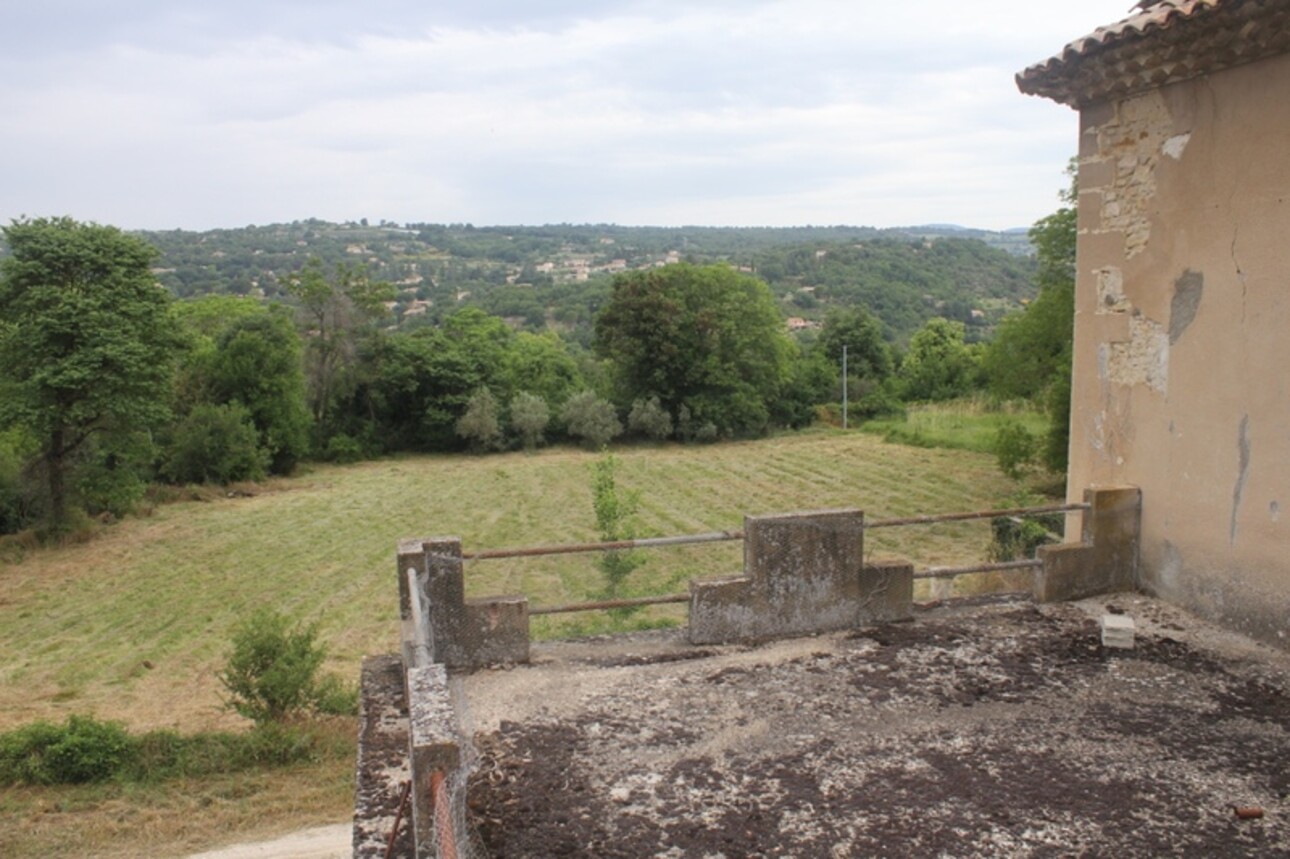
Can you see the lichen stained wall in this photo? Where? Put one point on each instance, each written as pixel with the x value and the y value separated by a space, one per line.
pixel 1182 335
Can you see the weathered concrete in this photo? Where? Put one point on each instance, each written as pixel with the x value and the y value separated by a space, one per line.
pixel 804 573
pixel 986 730
pixel 383 761
pixel 433 745
pixel 1106 558
pixel 463 634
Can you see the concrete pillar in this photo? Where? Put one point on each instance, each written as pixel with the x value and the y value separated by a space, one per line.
pixel 1106 558
pixel 462 633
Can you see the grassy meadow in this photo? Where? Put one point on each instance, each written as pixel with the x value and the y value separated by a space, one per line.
pixel 966 424
pixel 133 624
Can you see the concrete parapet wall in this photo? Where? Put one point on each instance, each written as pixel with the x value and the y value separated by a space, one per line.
pixel 804 573
pixel 460 633
pixel 1106 558
pixel 432 748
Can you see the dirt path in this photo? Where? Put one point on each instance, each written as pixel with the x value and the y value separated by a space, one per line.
pixel 319 842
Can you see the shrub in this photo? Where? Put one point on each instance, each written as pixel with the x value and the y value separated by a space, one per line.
pixel 343 448
pixel 114 478
pixel 480 425
pixel 1015 449
pixel 529 418
pixel 20 505
pixel 215 444
pixel 272 673
pixel 82 750
pixel 591 419
pixel 650 419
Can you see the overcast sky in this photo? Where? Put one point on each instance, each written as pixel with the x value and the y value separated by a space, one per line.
pixel 223 113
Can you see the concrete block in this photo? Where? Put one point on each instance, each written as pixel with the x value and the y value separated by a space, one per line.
pixel 496 630
pixel 804 574
pixel 1117 631
pixel 887 593
pixel 1106 558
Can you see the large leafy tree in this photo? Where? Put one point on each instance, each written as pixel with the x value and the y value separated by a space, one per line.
pixel 86 344
pixel 938 365
pixel 336 311
pixel 868 355
pixel 1030 357
pixel 257 363
pixel 704 337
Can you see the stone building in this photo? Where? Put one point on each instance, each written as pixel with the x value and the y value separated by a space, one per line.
pixel 1182 318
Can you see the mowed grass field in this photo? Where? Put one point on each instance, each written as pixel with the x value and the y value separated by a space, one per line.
pixel 134 624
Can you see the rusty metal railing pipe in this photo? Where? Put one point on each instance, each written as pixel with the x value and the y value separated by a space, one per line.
pixel 979 514
pixel 576 548
pixel 1001 566
pixel 605 604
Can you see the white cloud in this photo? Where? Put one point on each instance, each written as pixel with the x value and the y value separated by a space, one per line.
pixel 812 111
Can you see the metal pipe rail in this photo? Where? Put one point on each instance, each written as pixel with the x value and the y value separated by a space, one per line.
pixel 950 572
pixel 979 514
pixel 575 548
pixel 735 534
pixel 604 604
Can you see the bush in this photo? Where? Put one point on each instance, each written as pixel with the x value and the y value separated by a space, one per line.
pixel 215 444
pixel 529 417
pixel 115 476
pixel 343 448
pixel 591 419
pixel 480 425
pixel 20 495
pixel 82 750
pixel 650 419
pixel 1015 449
pixel 272 673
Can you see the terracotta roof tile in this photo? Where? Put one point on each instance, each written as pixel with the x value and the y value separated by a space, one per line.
pixel 1162 42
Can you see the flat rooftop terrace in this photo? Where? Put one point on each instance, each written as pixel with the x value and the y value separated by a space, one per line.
pixel 978 729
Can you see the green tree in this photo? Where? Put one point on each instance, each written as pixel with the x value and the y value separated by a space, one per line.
pixel 868 355
pixel 257 363
pixel 938 365
pixel 529 418
pixel 615 521
pixel 705 337
pixel 541 364
pixel 480 424
pixel 1030 357
pixel 336 311
pixel 86 347
pixel 591 419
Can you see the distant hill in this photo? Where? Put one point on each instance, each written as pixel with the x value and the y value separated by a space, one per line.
pixel 558 275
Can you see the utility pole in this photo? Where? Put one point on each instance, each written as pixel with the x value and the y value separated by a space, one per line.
pixel 844 386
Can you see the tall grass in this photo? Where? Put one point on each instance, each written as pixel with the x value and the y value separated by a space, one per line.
pixel 966 424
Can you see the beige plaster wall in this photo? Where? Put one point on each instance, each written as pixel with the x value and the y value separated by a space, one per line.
pixel 1182 335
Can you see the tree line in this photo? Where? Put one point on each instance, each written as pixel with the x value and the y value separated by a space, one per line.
pixel 109 384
